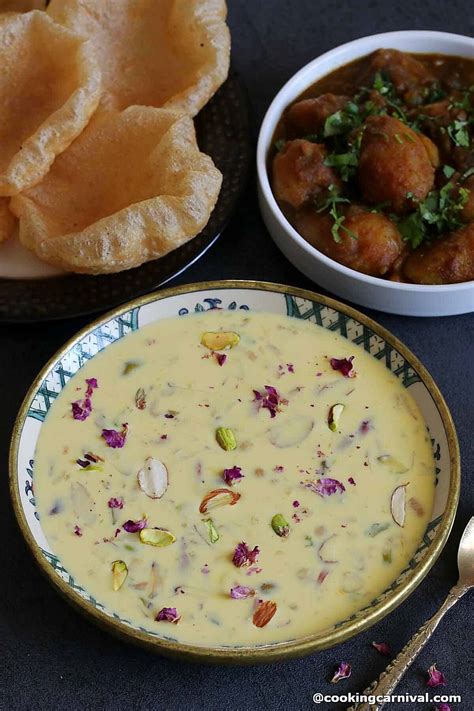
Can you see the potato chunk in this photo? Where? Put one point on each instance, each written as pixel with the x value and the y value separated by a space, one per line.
pixel 373 249
pixel 299 173
pixel 404 71
pixel 394 162
pixel 446 261
pixel 309 115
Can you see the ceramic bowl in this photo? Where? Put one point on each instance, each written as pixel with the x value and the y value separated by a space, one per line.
pixel 253 296
pixel 373 292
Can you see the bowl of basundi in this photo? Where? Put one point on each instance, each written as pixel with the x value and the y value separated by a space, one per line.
pixel 234 471
pixel 365 167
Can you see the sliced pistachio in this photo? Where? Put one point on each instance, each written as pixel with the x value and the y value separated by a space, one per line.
pixel 291 432
pixel 130 366
pixel 212 530
pixel 395 465
pixel 157 537
pixel 218 497
pixel 226 438
pixel 280 525
pixel 119 574
pixel 398 504
pixel 218 340
pixel 334 416
pixel 153 478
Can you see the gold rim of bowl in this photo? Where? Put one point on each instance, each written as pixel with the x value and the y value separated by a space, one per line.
pixel 269 652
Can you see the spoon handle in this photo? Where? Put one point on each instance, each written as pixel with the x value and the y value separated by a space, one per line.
pixel 388 679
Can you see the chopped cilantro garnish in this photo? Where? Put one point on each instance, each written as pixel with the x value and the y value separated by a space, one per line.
pixel 459 133
pixel 345 163
pixel 412 229
pixel 439 210
pixel 342 121
pixel 331 203
pixel 386 89
pixel 467 174
pixel 448 171
pixel 434 93
pixel 383 85
pixel 466 103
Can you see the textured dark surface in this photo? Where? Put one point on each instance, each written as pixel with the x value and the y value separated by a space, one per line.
pixel 50 658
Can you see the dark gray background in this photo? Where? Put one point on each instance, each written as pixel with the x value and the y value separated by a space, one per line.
pixel 50 658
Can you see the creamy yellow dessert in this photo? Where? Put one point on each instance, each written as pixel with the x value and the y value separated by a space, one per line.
pixel 234 478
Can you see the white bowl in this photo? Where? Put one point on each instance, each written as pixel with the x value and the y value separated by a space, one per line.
pixel 381 294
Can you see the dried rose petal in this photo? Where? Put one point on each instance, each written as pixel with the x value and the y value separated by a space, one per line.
pixel 296 503
pixel 264 612
pixel 114 503
pixel 115 439
pixel 233 474
pixel 220 357
pixel 135 526
pixel 168 614
pixel 271 401
pixel 81 409
pixel 344 366
pixel 254 569
pixel 343 672
pixel 443 707
pixel 77 530
pixel 325 486
pixel 382 648
pixel 244 556
pixel 351 481
pixel 322 576
pixel 241 592
pixel 435 677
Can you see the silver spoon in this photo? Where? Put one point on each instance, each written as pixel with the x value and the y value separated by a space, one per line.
pixel 388 679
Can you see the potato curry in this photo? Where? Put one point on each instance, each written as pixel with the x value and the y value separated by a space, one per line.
pixel 374 166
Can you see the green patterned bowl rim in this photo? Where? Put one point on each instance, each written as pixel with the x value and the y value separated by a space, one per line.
pixel 247 295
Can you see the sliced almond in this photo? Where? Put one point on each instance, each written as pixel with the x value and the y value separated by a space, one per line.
pixel 351 582
pixel 398 504
pixel 326 550
pixel 218 497
pixel 264 613
pixel 83 504
pixel 395 465
pixel 153 478
pixel 291 432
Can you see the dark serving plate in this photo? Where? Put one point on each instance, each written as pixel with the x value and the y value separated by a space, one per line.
pixel 223 133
